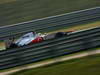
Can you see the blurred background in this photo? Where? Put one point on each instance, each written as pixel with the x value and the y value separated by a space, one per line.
pixel 17 11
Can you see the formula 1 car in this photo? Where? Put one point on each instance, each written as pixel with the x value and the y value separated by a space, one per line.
pixel 32 37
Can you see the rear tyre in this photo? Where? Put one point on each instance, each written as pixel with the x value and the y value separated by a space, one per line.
pixel 12 46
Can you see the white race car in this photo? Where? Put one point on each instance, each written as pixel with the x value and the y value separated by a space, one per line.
pixel 32 37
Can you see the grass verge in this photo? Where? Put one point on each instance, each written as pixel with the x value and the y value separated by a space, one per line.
pixel 46 60
pixel 78 27
pixel 6 1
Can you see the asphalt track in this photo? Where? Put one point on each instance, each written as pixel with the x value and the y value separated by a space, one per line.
pixel 52 23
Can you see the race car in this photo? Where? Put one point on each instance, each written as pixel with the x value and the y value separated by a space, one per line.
pixel 33 37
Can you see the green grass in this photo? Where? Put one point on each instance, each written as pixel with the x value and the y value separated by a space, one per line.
pixel 6 1
pixel 25 10
pixel 89 65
